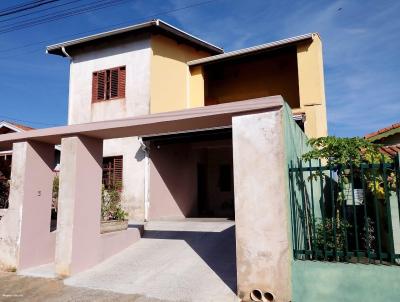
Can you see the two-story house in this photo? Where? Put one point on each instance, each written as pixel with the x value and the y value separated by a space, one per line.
pixel 154 67
pixel 190 131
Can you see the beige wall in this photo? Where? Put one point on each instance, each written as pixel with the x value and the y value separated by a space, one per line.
pixel 170 77
pixel 135 54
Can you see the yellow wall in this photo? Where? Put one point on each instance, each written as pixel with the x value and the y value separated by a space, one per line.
pixel 170 78
pixel 295 72
pixel 296 75
pixel 267 74
pixel 197 89
pixel 312 87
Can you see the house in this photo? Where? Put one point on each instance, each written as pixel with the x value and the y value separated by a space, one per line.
pixel 154 67
pixel 190 130
pixel 388 137
pixel 5 161
pixel 5 156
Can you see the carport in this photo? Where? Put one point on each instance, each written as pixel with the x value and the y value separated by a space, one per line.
pixel 259 128
pixel 191 175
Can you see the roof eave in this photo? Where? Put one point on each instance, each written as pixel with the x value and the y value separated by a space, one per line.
pixel 253 49
pixel 57 49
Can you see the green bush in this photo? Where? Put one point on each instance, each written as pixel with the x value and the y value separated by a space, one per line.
pixel 332 226
pixel 111 208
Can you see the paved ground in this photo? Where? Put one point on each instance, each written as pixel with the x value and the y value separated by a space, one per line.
pixel 15 288
pixel 191 260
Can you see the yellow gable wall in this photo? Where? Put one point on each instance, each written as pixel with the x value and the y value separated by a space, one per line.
pixel 312 87
pixel 170 77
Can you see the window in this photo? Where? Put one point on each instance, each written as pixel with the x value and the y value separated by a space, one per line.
pixel 108 84
pixel 112 172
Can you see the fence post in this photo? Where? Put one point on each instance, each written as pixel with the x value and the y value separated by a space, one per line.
pixel 394 201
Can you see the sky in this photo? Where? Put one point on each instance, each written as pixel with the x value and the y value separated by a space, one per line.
pixel 361 48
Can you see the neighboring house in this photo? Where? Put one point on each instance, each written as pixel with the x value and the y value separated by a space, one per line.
pixel 154 67
pixel 5 156
pixel 7 127
pixel 388 137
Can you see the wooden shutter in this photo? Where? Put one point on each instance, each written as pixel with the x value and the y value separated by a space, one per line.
pixel 101 83
pixel 121 81
pixel 94 86
pixel 113 172
pixel 118 174
pixel 114 83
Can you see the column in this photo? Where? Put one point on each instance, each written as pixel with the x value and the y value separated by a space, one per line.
pixel 261 206
pixel 79 205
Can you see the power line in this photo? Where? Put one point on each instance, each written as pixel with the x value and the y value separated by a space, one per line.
pixel 19 6
pixel 108 27
pixel 38 11
pixel 93 6
pixel 27 7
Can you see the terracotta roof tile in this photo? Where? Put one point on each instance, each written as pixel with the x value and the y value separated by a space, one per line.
pixel 390 150
pixel 383 130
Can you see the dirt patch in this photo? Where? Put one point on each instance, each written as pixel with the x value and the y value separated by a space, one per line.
pixel 19 288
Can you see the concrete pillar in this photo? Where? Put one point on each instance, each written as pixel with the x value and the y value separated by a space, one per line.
pixel 79 205
pixel 26 240
pixel 261 206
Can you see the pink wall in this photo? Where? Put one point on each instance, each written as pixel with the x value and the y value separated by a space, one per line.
pixel 173 178
pixel 37 243
pixel 173 187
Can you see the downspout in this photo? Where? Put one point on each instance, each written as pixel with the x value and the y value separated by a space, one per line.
pixel 146 151
pixel 65 52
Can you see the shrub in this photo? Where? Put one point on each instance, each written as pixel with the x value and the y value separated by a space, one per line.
pixel 111 208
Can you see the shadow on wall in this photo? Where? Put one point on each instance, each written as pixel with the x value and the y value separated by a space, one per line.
pixel 217 249
pixel 173 182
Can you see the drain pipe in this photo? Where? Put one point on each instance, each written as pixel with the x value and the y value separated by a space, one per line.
pixel 257 295
pixel 65 52
pixel 145 148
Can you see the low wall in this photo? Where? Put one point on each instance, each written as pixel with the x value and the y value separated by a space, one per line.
pixel 322 281
pixel 115 242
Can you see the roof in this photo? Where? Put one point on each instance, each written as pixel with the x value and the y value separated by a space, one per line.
pixel 391 151
pixel 194 119
pixel 384 132
pixel 254 49
pixel 157 25
pixel 14 126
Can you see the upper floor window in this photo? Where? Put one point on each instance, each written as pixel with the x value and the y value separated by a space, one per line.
pixel 108 84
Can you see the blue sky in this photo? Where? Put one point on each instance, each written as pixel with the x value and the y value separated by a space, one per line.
pixel 361 52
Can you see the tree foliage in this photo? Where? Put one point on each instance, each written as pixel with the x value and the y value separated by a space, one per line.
pixel 343 150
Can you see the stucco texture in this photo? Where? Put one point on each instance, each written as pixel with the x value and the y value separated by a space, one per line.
pixel 331 282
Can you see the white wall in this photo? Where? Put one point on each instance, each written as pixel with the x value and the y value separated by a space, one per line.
pixel 135 54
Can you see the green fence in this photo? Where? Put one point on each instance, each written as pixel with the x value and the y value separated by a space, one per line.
pixel 346 213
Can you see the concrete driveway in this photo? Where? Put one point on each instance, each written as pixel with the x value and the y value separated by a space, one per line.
pixel 188 260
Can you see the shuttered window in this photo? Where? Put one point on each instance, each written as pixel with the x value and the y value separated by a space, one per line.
pixel 112 172
pixel 108 84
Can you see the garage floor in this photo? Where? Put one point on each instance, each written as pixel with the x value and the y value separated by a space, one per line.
pixel 187 260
